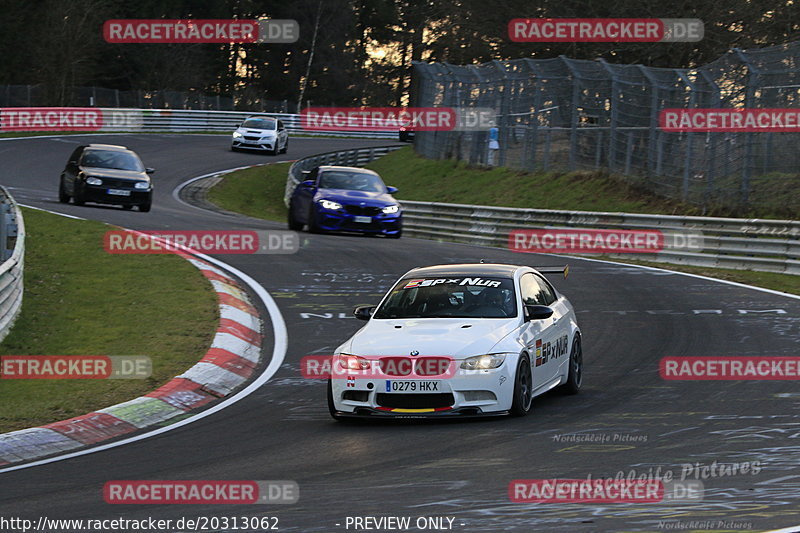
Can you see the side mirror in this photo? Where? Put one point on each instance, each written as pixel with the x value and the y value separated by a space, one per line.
pixel 391 190
pixel 149 170
pixel 537 312
pixel 308 183
pixel 363 312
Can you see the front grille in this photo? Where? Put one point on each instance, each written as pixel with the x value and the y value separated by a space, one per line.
pixel 415 401
pixel 362 210
pixel 432 366
pixel 249 138
pixel 112 183
pixel 396 366
pixel 356 395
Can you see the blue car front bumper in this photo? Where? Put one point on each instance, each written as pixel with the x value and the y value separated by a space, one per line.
pixel 340 220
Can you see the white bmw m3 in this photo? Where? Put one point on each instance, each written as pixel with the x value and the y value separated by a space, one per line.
pixel 455 340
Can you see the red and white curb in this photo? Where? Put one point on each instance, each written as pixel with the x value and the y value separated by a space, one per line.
pixel 229 363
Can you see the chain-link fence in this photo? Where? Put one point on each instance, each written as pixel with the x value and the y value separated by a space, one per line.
pixel 41 96
pixel 566 114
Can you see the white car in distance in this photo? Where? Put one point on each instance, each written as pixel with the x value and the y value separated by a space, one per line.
pixel 261 133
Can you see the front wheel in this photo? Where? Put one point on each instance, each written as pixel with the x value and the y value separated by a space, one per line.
pixel 523 388
pixel 293 224
pixel 63 197
pixel 144 208
pixel 331 406
pixel 77 199
pixel 575 376
pixel 313 227
pixel 396 235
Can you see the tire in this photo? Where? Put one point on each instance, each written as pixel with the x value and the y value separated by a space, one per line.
pixel 312 222
pixel 63 197
pixel 293 224
pixel 331 407
pixel 523 388
pixel 144 208
pixel 274 151
pixel 77 199
pixel 575 376
pixel 285 146
pixel 234 149
pixel 396 235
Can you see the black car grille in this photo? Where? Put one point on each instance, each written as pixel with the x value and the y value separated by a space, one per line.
pixel 362 210
pixel 113 183
pixel 249 138
pixel 415 401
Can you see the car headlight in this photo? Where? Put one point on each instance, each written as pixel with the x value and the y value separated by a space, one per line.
pixel 328 204
pixel 141 185
pixel 483 362
pixel 236 135
pixel 94 181
pixel 352 362
pixel 389 209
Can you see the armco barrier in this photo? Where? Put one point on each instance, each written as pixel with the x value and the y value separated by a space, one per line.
pixel 743 244
pixel 12 248
pixel 735 243
pixel 156 120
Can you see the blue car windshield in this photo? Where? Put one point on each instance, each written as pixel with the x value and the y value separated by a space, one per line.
pixel 351 181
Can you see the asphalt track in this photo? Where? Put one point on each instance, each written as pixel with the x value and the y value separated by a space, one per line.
pixel 630 318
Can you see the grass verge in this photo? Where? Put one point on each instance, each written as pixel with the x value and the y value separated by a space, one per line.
pixel 80 300
pixel 258 192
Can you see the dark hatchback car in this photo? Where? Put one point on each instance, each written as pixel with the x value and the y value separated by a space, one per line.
pixel 106 174
pixel 352 199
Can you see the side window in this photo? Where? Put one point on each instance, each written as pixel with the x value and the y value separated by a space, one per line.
pixel 548 292
pixel 530 290
pixel 280 125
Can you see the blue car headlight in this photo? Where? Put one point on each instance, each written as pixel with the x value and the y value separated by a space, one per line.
pixel 329 204
pixel 390 209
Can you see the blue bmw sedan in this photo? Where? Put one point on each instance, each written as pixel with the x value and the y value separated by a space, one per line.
pixel 352 199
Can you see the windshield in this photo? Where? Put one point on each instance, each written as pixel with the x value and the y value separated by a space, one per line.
pixel 352 181
pixel 111 159
pixel 259 123
pixel 450 297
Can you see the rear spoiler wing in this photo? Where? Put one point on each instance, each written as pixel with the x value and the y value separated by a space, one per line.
pixel 553 270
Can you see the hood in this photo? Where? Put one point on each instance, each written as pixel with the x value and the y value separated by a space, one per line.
pixel 254 131
pixel 115 173
pixel 353 197
pixel 430 336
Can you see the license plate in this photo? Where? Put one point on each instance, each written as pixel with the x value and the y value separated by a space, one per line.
pixel 402 385
pixel 119 192
pixel 363 220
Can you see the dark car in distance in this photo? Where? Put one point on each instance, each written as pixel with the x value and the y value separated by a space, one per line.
pixel 352 199
pixel 106 174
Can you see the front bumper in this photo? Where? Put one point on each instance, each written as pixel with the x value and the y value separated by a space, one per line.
pixel 100 194
pixel 477 393
pixel 262 144
pixel 339 220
